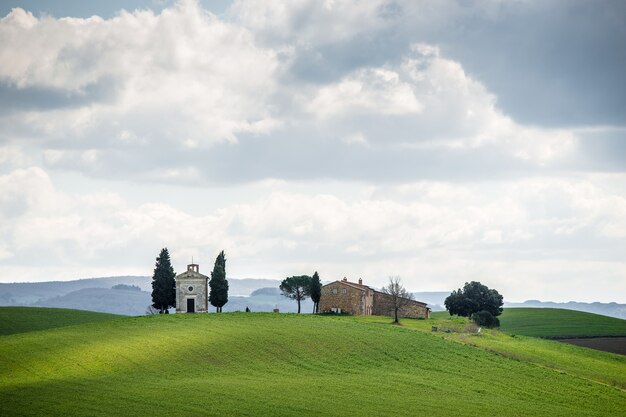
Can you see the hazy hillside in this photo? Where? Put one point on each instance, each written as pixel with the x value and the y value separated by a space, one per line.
pixel 285 365
pixel 84 294
pixel 96 294
pixel 435 300
pixel 27 293
pixel 265 300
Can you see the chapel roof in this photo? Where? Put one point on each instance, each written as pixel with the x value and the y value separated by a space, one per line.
pixel 193 271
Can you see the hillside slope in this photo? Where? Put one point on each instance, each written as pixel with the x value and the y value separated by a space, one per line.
pixel 280 365
pixel 559 323
pixel 26 319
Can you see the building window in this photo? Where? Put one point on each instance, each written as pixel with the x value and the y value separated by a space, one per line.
pixel 344 291
pixel 190 288
pixel 334 291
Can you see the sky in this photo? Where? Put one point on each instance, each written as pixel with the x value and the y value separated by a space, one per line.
pixel 442 142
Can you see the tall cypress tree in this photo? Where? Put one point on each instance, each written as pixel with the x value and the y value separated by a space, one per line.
pixel 315 291
pixel 163 283
pixel 218 295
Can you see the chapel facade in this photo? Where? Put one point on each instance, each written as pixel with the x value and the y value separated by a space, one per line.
pixel 192 291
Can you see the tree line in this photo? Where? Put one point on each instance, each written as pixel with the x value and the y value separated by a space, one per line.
pixel 164 283
pixel 475 301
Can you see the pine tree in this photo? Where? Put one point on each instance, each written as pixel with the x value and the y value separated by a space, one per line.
pixel 296 288
pixel 218 295
pixel 163 283
pixel 315 291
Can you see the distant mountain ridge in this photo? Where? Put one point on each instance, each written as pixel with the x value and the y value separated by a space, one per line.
pixel 258 294
pixel 130 295
pixel 435 301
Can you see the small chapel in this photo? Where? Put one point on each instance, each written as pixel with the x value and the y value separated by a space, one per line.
pixel 192 291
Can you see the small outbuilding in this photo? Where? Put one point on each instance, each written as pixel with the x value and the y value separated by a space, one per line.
pixel 192 291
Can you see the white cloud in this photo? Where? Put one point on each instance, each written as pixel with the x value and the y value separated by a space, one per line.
pixel 153 95
pixel 377 91
pixel 182 75
pixel 436 235
pixel 270 92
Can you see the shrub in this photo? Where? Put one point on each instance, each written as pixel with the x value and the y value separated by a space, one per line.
pixel 486 319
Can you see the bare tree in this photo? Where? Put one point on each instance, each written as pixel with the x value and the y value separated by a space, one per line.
pixel 399 297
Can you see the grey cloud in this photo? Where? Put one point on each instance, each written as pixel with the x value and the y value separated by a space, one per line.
pixel 311 157
pixel 603 150
pixel 15 99
pixel 330 62
pixel 551 63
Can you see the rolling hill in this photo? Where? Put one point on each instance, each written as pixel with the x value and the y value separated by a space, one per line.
pixel 559 323
pixel 283 365
pixel 26 319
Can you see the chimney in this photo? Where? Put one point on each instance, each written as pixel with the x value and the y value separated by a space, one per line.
pixel 345 279
pixel 360 281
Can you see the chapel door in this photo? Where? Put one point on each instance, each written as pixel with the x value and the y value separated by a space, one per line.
pixel 191 305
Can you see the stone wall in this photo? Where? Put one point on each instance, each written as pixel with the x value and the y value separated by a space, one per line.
pixel 350 299
pixel 383 306
pixel 360 300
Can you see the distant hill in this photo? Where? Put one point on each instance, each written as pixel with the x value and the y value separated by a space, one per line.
pixel 265 300
pixel 559 323
pixel 27 293
pixel 27 319
pixel 435 301
pixel 605 309
pixel 130 295
pixel 89 294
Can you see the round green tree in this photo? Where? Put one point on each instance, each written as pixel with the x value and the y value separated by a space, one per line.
pixel 475 298
pixel 296 287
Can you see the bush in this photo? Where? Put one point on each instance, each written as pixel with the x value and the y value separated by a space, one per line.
pixel 333 313
pixel 486 319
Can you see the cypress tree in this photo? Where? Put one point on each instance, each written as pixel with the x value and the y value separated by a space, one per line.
pixel 218 295
pixel 163 283
pixel 315 291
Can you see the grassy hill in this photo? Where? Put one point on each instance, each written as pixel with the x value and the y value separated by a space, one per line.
pixel 559 323
pixel 26 319
pixel 285 365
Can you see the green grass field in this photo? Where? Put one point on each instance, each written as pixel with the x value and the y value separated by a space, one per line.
pixel 284 365
pixel 559 323
pixel 26 319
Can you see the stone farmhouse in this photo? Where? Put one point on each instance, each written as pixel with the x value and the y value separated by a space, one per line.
pixel 360 300
pixel 192 291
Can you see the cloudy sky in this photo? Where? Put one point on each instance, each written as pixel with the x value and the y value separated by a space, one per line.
pixel 441 141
